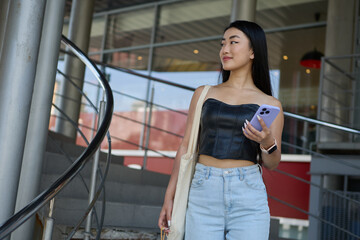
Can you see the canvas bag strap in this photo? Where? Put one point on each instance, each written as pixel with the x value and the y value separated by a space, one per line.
pixel 196 122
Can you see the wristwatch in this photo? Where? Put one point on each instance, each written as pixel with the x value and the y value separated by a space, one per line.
pixel 271 149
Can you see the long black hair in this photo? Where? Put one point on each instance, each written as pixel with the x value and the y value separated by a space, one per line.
pixel 260 66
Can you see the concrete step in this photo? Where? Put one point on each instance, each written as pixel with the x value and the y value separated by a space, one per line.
pixel 115 191
pixel 126 215
pixel 58 146
pixel 57 164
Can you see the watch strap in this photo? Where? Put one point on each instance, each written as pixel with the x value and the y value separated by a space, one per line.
pixel 271 149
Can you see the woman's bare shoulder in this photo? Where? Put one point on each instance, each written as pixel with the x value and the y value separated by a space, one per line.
pixel 270 100
pixel 197 93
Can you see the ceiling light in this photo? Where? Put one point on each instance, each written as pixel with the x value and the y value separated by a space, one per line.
pixel 312 59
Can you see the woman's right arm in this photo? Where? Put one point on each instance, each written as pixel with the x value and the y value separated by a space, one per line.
pixel 165 214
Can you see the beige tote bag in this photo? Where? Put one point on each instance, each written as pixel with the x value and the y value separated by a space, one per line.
pixel 186 172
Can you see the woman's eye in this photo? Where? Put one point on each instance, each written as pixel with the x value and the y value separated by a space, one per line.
pixel 233 42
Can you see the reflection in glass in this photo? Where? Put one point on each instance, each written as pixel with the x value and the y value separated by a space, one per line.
pixel 298 87
pixel 279 13
pixel 181 58
pixel 129 29
pixel 193 19
pixel 97 34
pixel 137 59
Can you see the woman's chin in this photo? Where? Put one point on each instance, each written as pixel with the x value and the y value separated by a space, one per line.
pixel 228 68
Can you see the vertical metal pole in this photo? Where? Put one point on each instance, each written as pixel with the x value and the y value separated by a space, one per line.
pixel 4 7
pixel 149 68
pixel 87 232
pixel 304 136
pixel 148 128
pixel 49 224
pixel 94 118
pixel 321 84
pixel 17 74
pixel 79 33
pixel 39 117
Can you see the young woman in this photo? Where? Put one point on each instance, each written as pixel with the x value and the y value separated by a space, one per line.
pixel 227 198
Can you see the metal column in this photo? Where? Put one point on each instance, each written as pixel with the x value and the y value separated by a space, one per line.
pixel 79 33
pixel 40 113
pixel 17 74
pixel 243 10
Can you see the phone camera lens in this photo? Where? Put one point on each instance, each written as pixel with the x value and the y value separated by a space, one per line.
pixel 261 113
pixel 264 109
pixel 267 112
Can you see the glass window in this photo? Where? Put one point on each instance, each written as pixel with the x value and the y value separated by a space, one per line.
pixel 279 13
pixel 129 28
pixel 193 19
pixel 97 34
pixel 298 84
pixel 200 56
pixel 136 59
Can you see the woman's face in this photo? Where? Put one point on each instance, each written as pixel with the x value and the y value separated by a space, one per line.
pixel 235 52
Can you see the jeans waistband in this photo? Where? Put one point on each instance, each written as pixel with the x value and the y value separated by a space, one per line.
pixel 214 171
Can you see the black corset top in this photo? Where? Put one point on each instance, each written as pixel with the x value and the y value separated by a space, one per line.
pixel 221 133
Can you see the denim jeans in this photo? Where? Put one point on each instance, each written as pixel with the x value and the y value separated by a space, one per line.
pixel 227 203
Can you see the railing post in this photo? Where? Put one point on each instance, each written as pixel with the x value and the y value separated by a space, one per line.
pixel 321 84
pixel 94 118
pixel 87 232
pixel 49 224
pixel 148 128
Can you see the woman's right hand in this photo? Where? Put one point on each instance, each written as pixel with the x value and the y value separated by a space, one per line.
pixel 165 215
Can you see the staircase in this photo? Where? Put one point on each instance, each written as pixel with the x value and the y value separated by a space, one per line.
pixel 133 197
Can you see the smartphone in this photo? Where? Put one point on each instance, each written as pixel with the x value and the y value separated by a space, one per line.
pixel 268 113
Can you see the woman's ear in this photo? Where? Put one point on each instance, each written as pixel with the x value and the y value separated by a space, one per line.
pixel 252 55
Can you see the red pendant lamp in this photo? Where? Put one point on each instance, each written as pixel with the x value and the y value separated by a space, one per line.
pixel 312 59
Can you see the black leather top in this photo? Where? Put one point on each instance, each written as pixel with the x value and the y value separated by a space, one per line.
pixel 221 131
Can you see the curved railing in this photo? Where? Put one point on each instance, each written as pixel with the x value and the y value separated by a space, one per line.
pixel 20 217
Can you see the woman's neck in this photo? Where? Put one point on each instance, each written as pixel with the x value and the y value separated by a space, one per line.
pixel 240 79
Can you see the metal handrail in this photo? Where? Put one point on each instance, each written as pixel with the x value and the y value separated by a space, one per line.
pixel 322 123
pixel 288 114
pixel 25 213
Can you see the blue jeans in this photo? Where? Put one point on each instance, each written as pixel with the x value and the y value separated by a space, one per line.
pixel 227 203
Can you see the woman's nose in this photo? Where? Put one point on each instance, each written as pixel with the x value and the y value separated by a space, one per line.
pixel 225 49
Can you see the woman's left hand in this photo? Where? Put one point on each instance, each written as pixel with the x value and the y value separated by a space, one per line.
pixel 264 137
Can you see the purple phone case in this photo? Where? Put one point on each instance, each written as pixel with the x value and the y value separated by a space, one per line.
pixel 268 113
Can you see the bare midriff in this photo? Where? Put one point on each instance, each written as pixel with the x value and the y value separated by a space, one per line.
pixel 223 163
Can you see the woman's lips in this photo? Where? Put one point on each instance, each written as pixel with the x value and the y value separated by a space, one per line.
pixel 226 58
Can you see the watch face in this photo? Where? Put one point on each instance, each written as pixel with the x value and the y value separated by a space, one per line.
pixel 272 149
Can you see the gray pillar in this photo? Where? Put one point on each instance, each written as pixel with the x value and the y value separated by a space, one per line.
pixel 339 41
pixel 17 73
pixel 4 7
pixel 36 136
pixel 79 33
pixel 315 208
pixel 243 10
